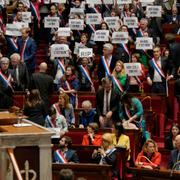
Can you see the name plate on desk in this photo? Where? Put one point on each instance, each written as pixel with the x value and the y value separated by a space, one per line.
pixel 22 125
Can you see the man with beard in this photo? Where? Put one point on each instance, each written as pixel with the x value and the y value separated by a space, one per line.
pixel 64 154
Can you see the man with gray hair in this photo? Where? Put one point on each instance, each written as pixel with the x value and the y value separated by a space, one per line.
pixel 107 62
pixel 6 90
pixel 19 73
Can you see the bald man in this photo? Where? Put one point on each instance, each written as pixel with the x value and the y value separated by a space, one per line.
pixel 43 82
pixel 175 156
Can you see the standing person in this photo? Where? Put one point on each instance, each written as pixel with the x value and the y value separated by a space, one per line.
pixel 69 84
pixel 43 82
pixel 107 103
pixel 159 73
pixel 170 139
pixel 174 160
pixel 34 108
pixel 6 89
pixel 107 153
pixel 27 49
pixel 65 154
pixel 132 114
pixel 92 137
pixel 19 73
pixel 107 61
pixel 149 157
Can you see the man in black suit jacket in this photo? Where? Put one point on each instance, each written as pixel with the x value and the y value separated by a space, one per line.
pixel 109 58
pixel 158 80
pixel 174 160
pixel 43 82
pixel 19 73
pixel 107 103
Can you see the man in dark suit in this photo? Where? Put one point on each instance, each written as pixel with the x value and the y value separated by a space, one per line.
pixel 107 103
pixel 160 72
pixel 19 73
pixel 64 154
pixel 27 49
pixel 174 160
pixel 107 59
pixel 43 82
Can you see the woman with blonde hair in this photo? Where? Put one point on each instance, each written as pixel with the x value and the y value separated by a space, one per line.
pixel 149 157
pixel 120 75
pixel 65 108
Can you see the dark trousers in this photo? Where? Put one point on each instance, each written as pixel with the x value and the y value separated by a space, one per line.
pixel 158 87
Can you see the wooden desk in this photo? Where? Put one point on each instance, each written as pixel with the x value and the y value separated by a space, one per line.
pixel 31 143
pixel 146 174
pixel 88 171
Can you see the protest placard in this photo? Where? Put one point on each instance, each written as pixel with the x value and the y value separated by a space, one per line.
pixel 93 18
pixel 26 17
pixel 59 50
pixel 108 1
pixel 76 24
pixel 146 1
pixel 93 2
pixel 85 52
pixel 120 37
pixel 64 31
pixel 78 46
pixel 2 2
pixel 51 22
pixel 112 21
pixel 131 22
pixel 101 35
pixel 12 30
pixel 133 69
pixel 153 11
pixel 124 1
pixel 144 43
pixel 58 1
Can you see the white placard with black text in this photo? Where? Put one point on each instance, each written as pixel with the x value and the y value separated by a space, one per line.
pixel 93 18
pixel 51 22
pixel 120 37
pixel 101 35
pixel 144 43
pixel 133 69
pixel 59 50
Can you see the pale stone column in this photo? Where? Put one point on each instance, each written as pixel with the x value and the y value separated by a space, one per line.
pixel 45 162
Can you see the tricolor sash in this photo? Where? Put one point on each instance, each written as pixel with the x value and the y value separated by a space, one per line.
pixel 23 49
pixel 35 11
pixel 157 68
pixel 106 66
pixel 117 83
pixel 125 48
pixel 60 157
pixel 49 122
pixel 61 66
pixel 6 80
pixel 14 44
pixel 138 80
pixel 140 32
pixel 56 107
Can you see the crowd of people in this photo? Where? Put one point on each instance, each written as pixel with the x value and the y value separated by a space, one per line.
pixel 102 70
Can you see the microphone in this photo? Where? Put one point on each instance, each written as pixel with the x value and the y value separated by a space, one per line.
pixel 173 168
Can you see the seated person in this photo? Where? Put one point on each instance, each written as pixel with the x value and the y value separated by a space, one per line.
pixel 107 153
pixel 149 157
pixel 65 154
pixel 87 115
pixel 92 138
pixel 65 108
pixel 119 138
pixel 56 122
pixel 170 140
pixel 174 160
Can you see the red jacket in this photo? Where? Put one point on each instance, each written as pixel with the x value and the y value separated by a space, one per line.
pixel 97 140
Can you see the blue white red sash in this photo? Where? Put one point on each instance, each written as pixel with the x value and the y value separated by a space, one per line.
pixel 117 83
pixel 125 48
pixel 157 68
pixel 14 44
pixel 140 32
pixel 96 9
pixel 6 80
pixel 61 65
pixel 23 49
pixel 56 107
pixel 85 71
pixel 60 157
pixel 35 10
pixel 106 66
pixel 138 81
pixel 49 122
pixel 134 31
